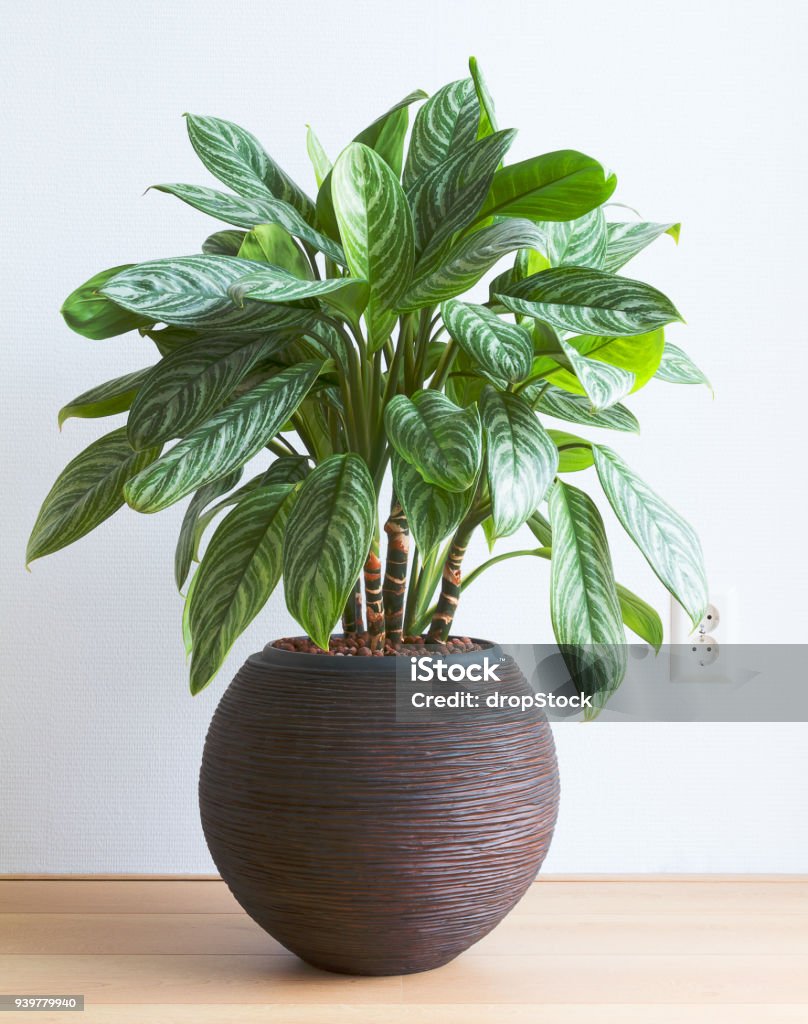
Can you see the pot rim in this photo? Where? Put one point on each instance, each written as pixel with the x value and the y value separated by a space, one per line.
pixel 272 654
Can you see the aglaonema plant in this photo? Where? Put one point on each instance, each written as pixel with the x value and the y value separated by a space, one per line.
pixel 331 335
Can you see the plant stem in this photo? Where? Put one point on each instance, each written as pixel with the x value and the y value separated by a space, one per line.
pixel 395 574
pixel 450 584
pixel 352 616
pixel 373 595
pixel 443 367
pixel 412 595
pixel 472 576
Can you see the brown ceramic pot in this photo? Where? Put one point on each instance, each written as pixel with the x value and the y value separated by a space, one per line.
pixel 364 844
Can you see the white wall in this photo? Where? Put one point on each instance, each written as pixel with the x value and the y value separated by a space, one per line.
pixel 699 106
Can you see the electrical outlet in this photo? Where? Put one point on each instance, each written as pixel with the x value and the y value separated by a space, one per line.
pixel 696 653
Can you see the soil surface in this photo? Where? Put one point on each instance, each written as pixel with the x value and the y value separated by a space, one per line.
pixel 358 645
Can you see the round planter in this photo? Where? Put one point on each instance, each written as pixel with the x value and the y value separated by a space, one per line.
pixel 364 844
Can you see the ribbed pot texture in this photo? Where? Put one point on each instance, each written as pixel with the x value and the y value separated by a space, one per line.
pixel 366 845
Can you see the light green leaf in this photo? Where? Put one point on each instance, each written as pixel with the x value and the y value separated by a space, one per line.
pixel 272 284
pixel 247 213
pixel 186 547
pixel 317 155
pixel 668 542
pixel 521 459
pixel 555 186
pixel 224 442
pixel 577 243
pixel 93 315
pixel 578 409
pixel 501 348
pixel 189 385
pixel 107 399
pixel 488 116
pixel 441 440
pixel 433 513
pixel 327 541
pixel 574 453
pixel 270 243
pixel 625 240
pixel 590 302
pixel 640 617
pixel 224 243
pixel 639 355
pixel 241 568
pixel 376 230
pixel 193 291
pixel 237 159
pixel 466 262
pixel 87 492
pixel 445 124
pixel 677 367
pixel 603 383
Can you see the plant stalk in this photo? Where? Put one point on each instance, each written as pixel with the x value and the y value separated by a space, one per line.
pixel 395 573
pixel 373 595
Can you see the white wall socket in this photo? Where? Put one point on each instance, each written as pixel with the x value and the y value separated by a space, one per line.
pixel 696 653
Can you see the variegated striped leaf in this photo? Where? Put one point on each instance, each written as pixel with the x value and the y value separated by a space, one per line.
pixel 376 230
pixel 224 442
pixel 677 367
pixel 639 355
pixel 319 159
pixel 89 312
pixel 87 492
pixel 445 124
pixel 466 262
pixel 189 385
pixel 241 568
pixel 270 243
pixel 521 459
pixel 327 541
pixel 247 213
pixel 107 399
pixel 433 513
pixel 186 546
pixel 577 243
pixel 224 243
pixel 272 284
pixel 555 186
pixel 577 409
pixel 590 302
pixel 237 159
pixel 603 383
pixel 574 453
pixel 640 617
pixel 499 347
pixel 447 198
pixel 668 542
pixel 441 440
pixel 584 605
pixel 625 240
pixel 488 115
pixel 192 291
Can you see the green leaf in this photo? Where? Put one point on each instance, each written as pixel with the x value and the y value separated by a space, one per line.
pixel 189 385
pixel 237 159
pixel 668 542
pixel 270 243
pixel 93 315
pixel 441 440
pixel 603 383
pixel 317 155
pixel 327 541
pixel 433 513
pixel 577 409
pixel 87 492
pixel 638 355
pixel 466 262
pixel 446 199
pixel 521 459
pixel 488 116
pixel 107 399
pixel 577 243
pixel 590 302
pixel 186 546
pixel 445 124
pixel 241 568
pixel 271 284
pixel 501 348
pixel 376 230
pixel 247 213
pixel 640 617
pixel 192 291
pixel 555 186
pixel 574 453
pixel 677 367
pixel 625 240
pixel 224 442
pixel 584 605
pixel 224 243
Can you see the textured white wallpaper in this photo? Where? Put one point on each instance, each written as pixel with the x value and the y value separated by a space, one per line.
pixel 695 106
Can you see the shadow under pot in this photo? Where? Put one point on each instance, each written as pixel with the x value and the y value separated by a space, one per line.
pixel 364 842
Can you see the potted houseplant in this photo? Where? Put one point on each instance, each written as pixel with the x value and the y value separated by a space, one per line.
pixel 335 338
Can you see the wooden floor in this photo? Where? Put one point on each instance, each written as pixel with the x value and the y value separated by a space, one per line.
pixel 629 951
